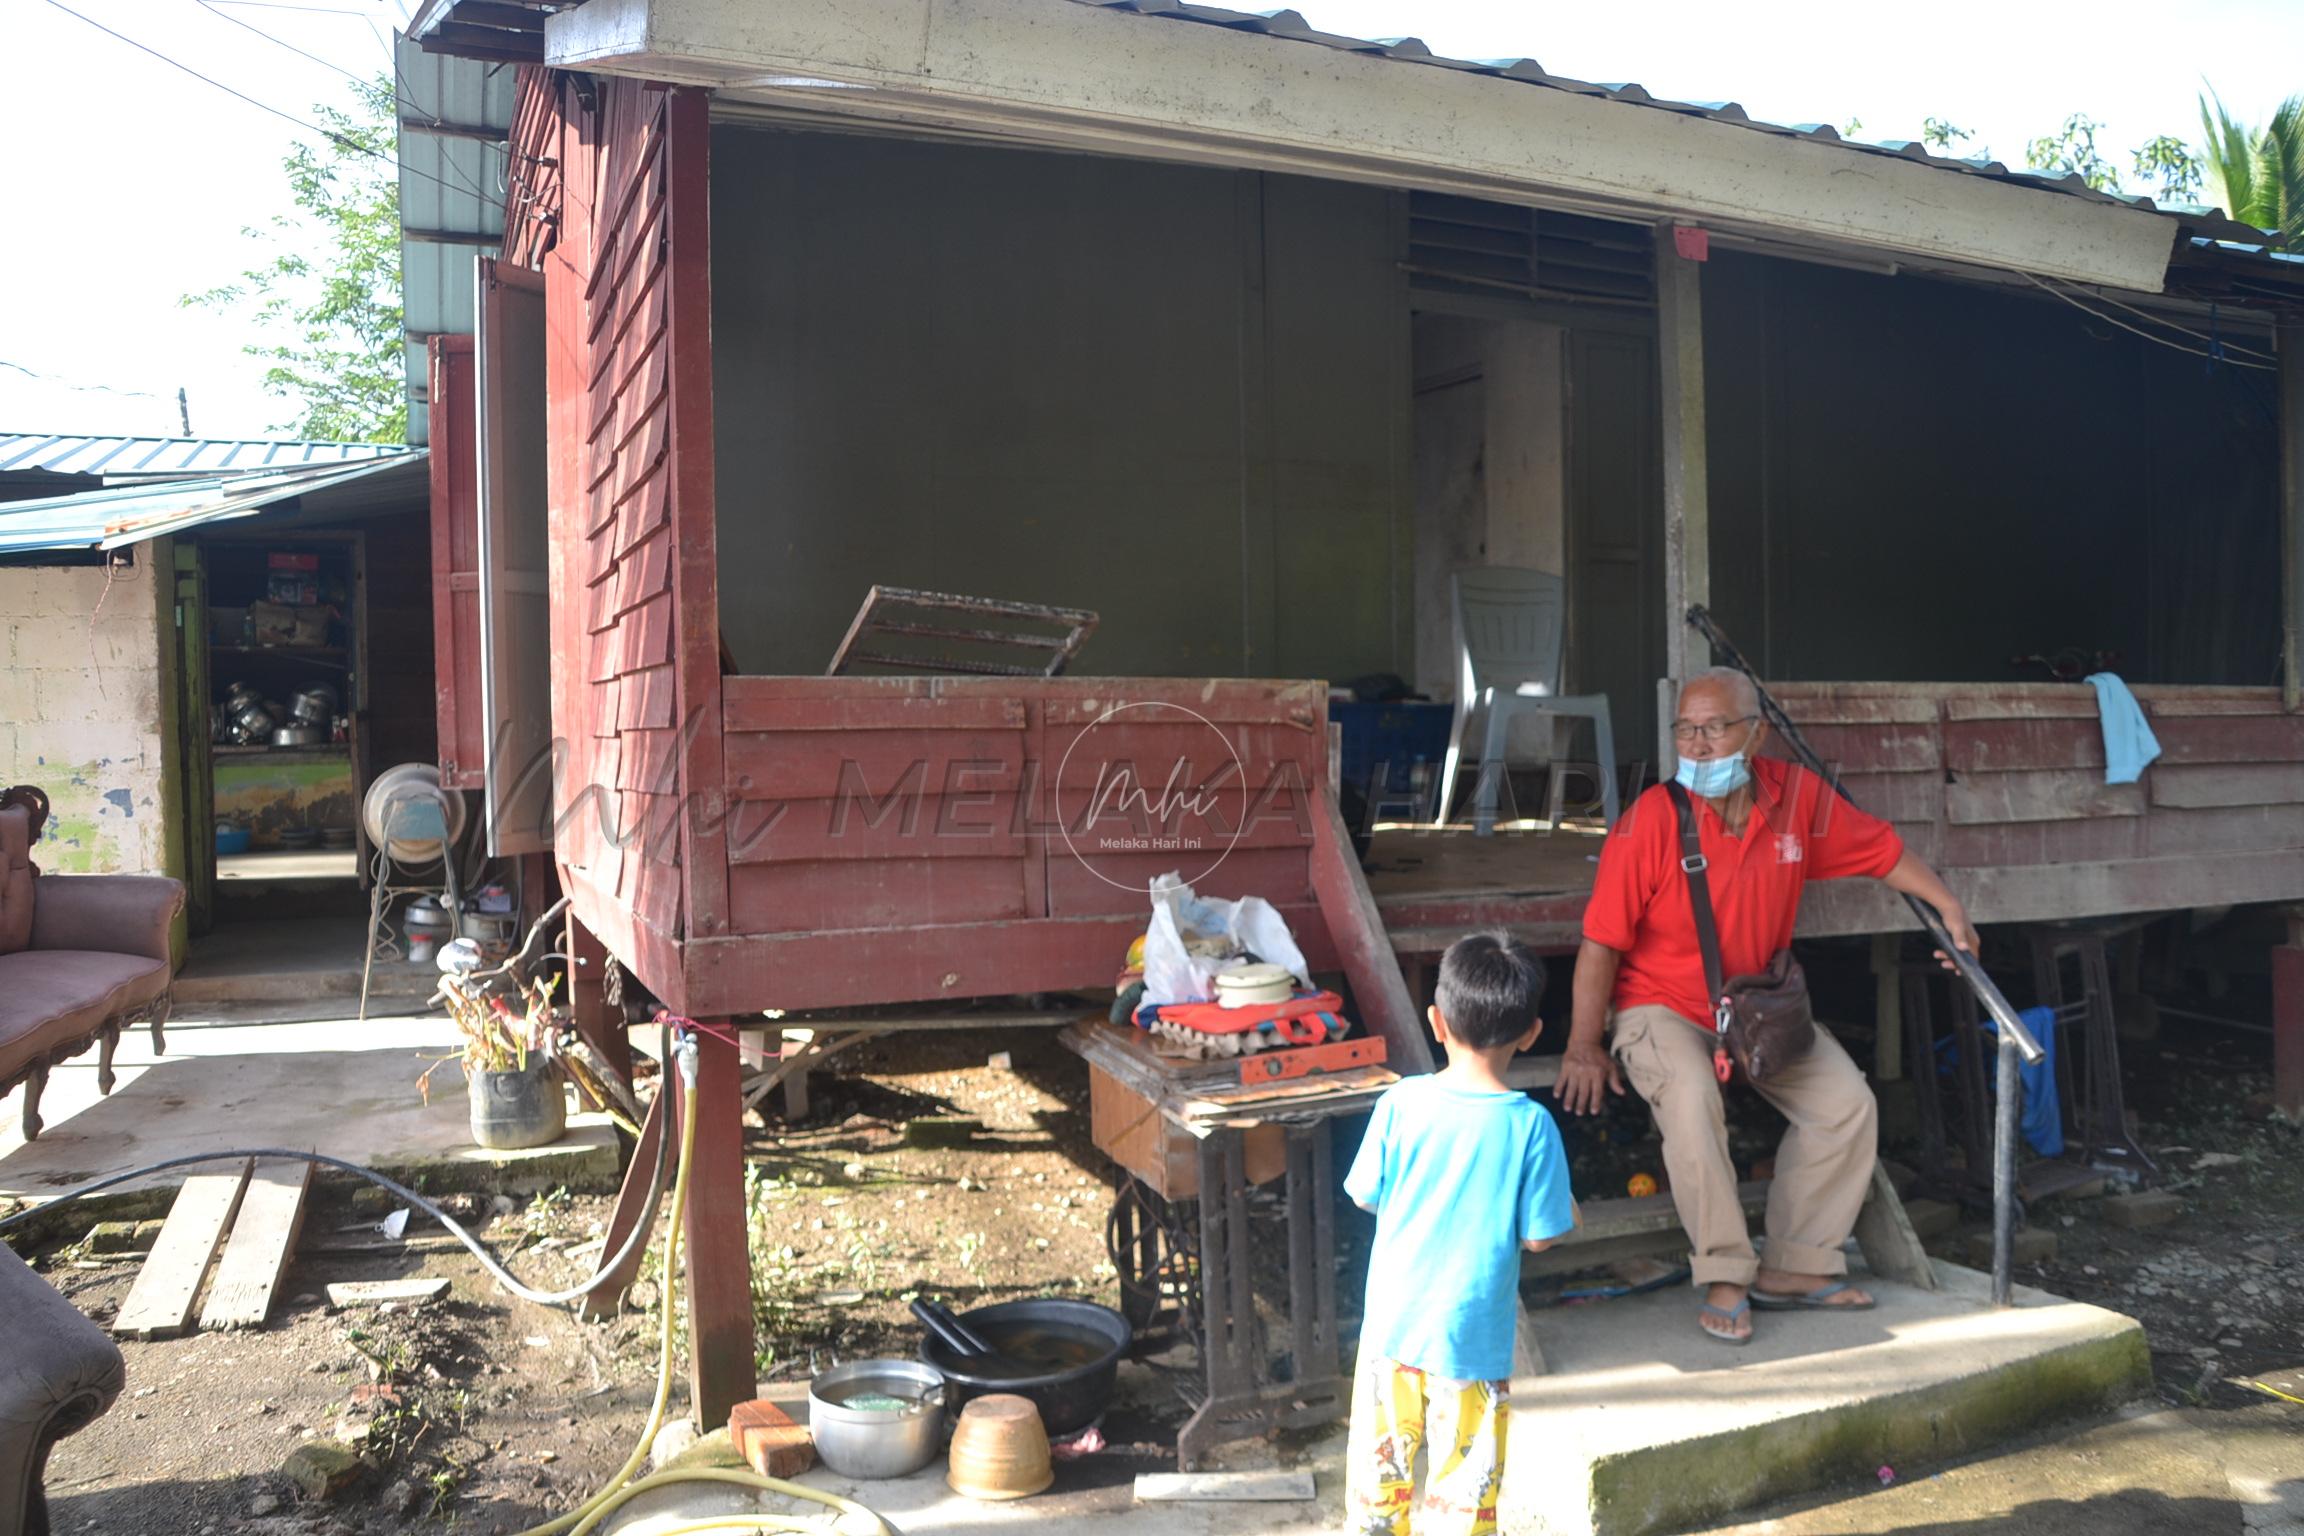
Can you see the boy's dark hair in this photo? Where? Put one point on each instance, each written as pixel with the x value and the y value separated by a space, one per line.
pixel 1489 987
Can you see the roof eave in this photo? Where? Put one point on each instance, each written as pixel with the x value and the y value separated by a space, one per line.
pixel 1095 78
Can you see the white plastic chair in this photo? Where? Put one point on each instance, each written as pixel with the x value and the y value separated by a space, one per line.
pixel 1509 627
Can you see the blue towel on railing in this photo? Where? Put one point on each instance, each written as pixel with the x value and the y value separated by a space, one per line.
pixel 2129 745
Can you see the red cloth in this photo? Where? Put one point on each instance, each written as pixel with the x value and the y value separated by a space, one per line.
pixel 1799 831
pixel 1216 1019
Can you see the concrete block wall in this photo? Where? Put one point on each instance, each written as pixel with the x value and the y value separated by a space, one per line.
pixel 83 669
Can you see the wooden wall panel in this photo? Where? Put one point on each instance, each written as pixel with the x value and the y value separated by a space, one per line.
pixel 455 491
pixel 614 177
pixel 2022 793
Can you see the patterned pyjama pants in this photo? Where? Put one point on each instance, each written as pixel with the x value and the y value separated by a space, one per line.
pixel 1459 1424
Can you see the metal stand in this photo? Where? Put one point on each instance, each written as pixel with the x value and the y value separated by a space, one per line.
pixel 2088 1057
pixel 1244 1396
pixel 415 818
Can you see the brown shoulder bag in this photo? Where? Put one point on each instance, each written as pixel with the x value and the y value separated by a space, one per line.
pixel 1763 1022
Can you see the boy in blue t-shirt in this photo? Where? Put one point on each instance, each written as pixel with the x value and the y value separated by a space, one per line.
pixel 1462 1172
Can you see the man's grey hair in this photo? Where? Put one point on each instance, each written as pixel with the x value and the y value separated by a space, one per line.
pixel 1739 686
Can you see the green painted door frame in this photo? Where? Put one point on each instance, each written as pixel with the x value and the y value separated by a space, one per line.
pixel 195 768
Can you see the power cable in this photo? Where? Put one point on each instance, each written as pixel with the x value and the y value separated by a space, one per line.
pixel 351 145
pixel 399 83
pixel 2113 320
pixel 49 378
pixel 2184 330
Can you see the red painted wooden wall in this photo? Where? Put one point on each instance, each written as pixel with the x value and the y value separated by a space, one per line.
pixel 455 488
pixel 611 203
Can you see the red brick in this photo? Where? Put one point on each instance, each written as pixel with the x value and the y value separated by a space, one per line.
pixel 770 1443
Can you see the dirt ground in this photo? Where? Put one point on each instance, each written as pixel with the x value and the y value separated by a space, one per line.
pixel 485 1414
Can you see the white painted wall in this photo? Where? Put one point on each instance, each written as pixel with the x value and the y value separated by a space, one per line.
pixel 82 673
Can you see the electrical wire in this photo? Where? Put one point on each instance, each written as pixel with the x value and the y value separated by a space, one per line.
pixel 2182 330
pixel 365 82
pixel 108 389
pixel 339 140
pixel 2046 287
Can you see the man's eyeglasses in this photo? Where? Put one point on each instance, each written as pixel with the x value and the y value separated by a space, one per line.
pixel 1709 730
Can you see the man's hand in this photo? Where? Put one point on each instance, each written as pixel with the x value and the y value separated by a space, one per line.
pixel 1963 933
pixel 1588 1074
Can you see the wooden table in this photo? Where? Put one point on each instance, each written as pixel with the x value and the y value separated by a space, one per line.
pixel 1207 1103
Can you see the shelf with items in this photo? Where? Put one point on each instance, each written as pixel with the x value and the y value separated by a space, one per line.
pixel 313 752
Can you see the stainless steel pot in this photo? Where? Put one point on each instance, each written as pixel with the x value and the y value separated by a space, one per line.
pixel 299 736
pixel 877 1441
pixel 315 705
pixel 251 722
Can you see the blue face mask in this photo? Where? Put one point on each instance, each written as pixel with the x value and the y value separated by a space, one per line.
pixel 1713 778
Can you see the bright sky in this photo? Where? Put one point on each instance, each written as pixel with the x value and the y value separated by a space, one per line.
pixel 132 180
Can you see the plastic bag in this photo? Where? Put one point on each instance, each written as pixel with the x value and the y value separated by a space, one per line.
pixel 1192 937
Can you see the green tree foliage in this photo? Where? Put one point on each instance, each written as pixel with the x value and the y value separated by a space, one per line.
pixel 2168 165
pixel 2257 175
pixel 328 299
pixel 2073 149
pixel 1940 135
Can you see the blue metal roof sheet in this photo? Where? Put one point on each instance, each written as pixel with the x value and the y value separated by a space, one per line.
pixel 72 454
pixel 129 514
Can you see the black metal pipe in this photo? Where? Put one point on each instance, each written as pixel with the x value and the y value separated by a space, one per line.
pixel 2006 1120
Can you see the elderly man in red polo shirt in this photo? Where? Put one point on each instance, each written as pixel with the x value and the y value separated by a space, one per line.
pixel 1767 827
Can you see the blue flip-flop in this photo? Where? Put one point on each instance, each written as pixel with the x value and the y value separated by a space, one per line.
pixel 1810 1301
pixel 1726 1315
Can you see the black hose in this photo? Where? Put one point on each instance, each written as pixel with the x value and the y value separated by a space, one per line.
pixel 633 1241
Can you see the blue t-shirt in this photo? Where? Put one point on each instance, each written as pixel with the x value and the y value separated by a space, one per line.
pixel 1458 1180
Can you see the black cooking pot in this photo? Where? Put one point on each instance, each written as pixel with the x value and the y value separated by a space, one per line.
pixel 1069 1396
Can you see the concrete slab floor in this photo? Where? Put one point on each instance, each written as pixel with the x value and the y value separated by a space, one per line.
pixel 2146 1472
pixel 291 960
pixel 1647 1425
pixel 333 1085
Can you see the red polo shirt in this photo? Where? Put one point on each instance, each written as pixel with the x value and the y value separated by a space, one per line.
pixel 1799 831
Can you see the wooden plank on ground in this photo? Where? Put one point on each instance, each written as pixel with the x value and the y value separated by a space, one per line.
pixel 1883 1230
pixel 159 1304
pixel 367 1293
pixel 1245 1487
pixel 263 1238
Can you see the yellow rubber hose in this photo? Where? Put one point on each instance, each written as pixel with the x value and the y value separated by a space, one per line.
pixel 686 1056
pixel 855 1519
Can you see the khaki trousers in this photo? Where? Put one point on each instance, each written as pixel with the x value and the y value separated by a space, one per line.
pixel 1823 1167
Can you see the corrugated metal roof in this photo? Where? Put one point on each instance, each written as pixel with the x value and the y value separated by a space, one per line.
pixel 1292 27
pixel 120 456
pixel 129 514
pixel 451 195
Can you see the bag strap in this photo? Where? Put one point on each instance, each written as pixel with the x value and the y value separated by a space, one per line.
pixel 1693 864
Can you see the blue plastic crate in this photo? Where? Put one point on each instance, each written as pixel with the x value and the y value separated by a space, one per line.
pixel 1390 740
